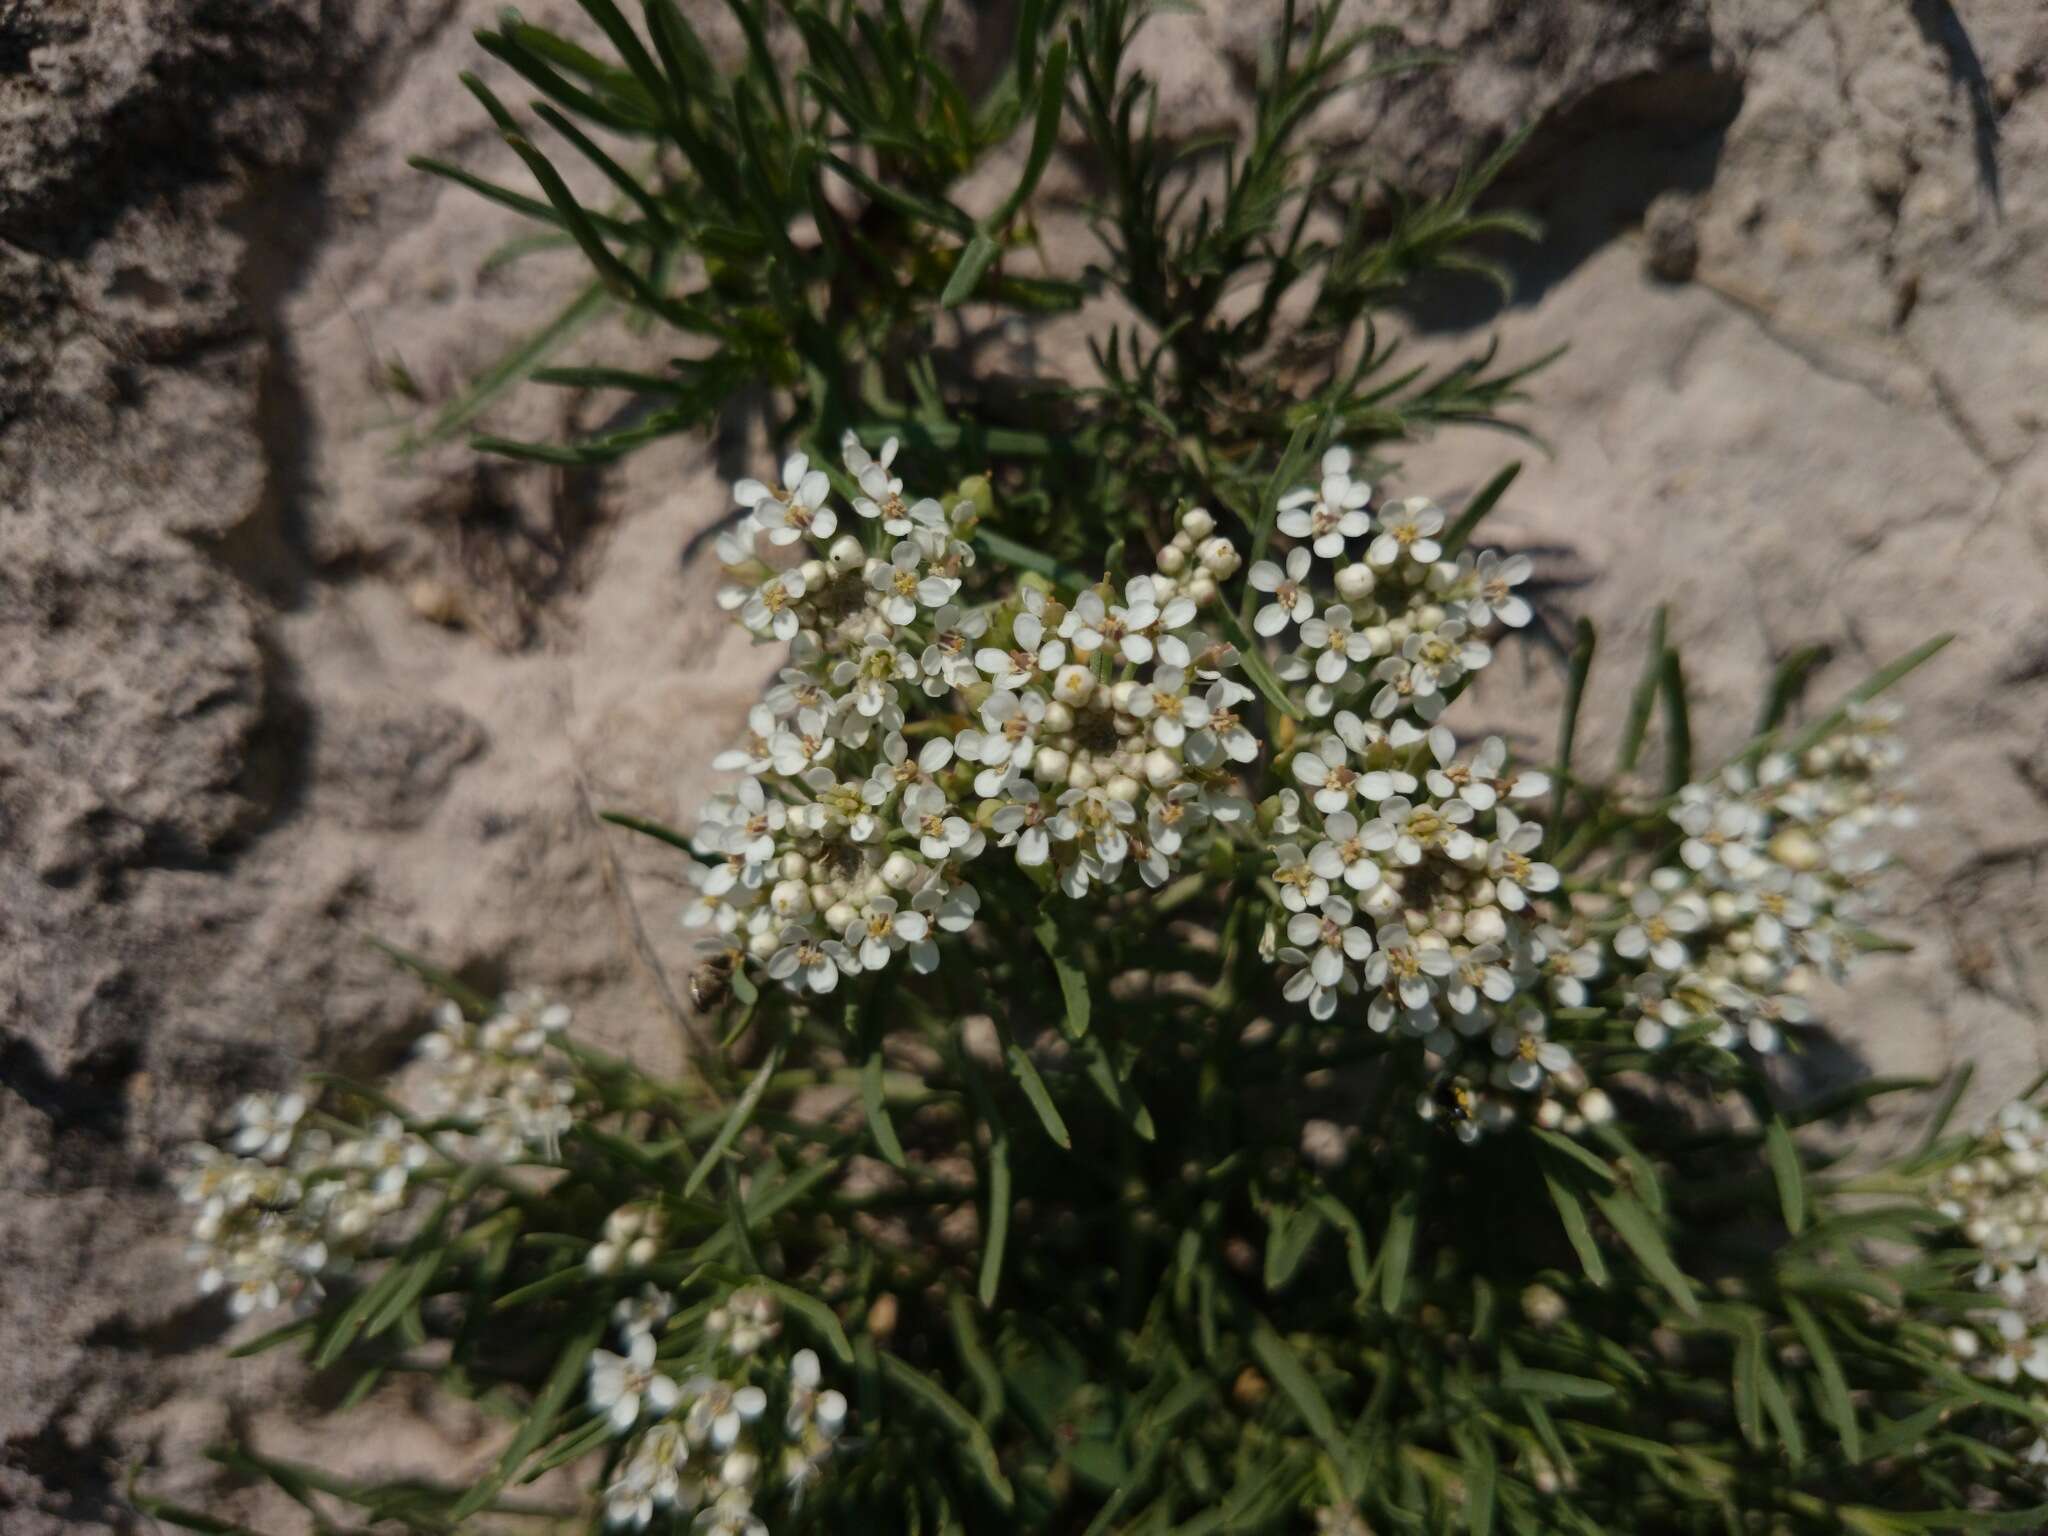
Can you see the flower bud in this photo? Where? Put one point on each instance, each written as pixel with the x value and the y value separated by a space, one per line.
pixel 1082 774
pixel 1485 925
pixel 1073 684
pixel 762 946
pixel 839 914
pixel 1202 589
pixel 813 573
pixel 793 866
pixel 1160 768
pixel 1381 638
pixel 846 554
pixel 1050 766
pixel 1355 581
pixel 1173 560
pixel 790 899
pixel 899 870
pixel 1198 521
pixel 1058 719
pixel 1125 788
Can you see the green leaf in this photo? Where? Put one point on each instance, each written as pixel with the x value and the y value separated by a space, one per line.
pixel 1072 977
pixel 1788 681
pixel 1677 724
pixel 1787 1171
pixel 974 1355
pixel 924 210
pixel 1883 678
pixel 1288 1241
pixel 1749 1365
pixel 1033 1084
pixel 878 1111
pixel 735 1122
pixel 653 829
pixel 1568 729
pixel 561 1385
pixel 821 1321
pixel 1279 1361
pixel 1571 1212
pixel 976 1448
pixel 1638 722
pixel 1835 1401
pixel 1098 1069
pixel 1397 1250
pixel 1481 1473
pixel 975 259
pixel 1044 133
pixel 1555 1386
pixel 457 991
pixel 1637 1228
pixel 1476 509
pixel 1340 1216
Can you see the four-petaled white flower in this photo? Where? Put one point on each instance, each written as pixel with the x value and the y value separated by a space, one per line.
pixel 1328 514
pixel 1292 602
pixel 623 1387
pixel 1409 527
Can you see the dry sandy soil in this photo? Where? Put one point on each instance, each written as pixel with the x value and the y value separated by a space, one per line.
pixel 266 686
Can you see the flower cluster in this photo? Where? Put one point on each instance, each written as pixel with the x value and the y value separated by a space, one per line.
pixel 740 1428
pixel 1771 884
pixel 284 1199
pixel 1998 1199
pixel 498 1077
pixel 933 717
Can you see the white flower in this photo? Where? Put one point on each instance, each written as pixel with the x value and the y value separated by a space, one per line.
pixel 808 1406
pixel 1343 855
pixel 1408 830
pixel 1022 823
pixel 1516 876
pixel 806 741
pixel 1479 974
pixel 1330 514
pixel 1660 914
pixel 796 513
pixel 1526 1056
pixel 1408 527
pixel 1405 971
pixel 623 1386
pixel 805 961
pixel 1292 603
pixel 718 1411
pixel 1144 615
pixel 1330 938
pixel 265 1124
pixel 949 660
pixel 2019 1351
pixel 1300 886
pixel 1337 645
pixel 881 929
pixel 902 585
pixel 770 610
pixel 1224 734
pixel 1173 710
pixel 930 816
pixel 643 1313
pixel 1498 577
pixel 1565 968
pixel 1032 656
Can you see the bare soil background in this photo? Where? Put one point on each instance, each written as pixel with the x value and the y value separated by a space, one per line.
pixel 266 687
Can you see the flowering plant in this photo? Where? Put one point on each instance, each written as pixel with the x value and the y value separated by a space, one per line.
pixel 1172 1074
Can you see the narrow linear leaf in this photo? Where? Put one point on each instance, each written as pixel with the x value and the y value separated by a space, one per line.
pixel 1835 1401
pixel 975 259
pixel 1489 496
pixel 878 1111
pixel 975 1445
pixel 1883 678
pixel 1072 978
pixel 1033 1084
pixel 1637 1228
pixel 1638 722
pixel 1677 723
pixel 1279 1361
pixel 820 1319
pixel 561 1384
pixel 1571 1213
pixel 1396 1252
pixel 736 1121
pixel 1787 1171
